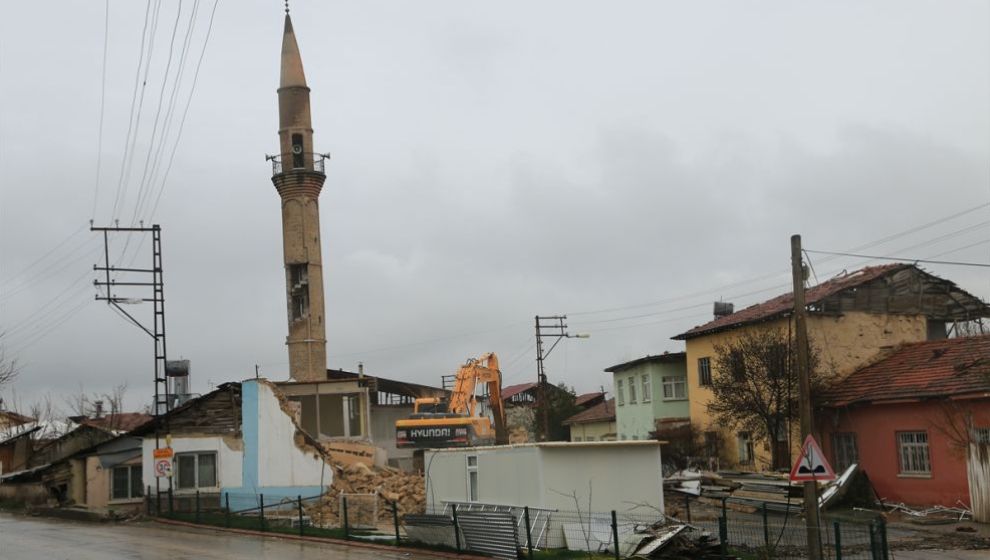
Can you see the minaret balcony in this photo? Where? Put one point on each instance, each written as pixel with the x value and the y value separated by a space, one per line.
pixel 302 162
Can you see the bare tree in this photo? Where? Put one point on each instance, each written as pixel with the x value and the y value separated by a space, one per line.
pixel 755 385
pixel 8 365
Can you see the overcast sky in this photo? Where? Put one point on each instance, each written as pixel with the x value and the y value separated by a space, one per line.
pixel 624 163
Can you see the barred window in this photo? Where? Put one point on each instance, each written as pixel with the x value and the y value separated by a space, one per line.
pixel 981 435
pixel 125 483
pixel 913 453
pixel 705 372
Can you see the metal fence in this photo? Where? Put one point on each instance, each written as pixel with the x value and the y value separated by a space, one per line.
pixel 704 529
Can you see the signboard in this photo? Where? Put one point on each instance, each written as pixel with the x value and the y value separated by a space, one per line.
pixel 163 462
pixel 811 464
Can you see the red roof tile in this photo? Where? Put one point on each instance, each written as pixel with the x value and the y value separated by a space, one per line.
pixel 601 412
pixel 938 368
pixel 782 304
pixel 121 421
pixel 581 400
pixel 512 390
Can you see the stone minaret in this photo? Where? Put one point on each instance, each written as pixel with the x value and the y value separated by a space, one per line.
pixel 298 178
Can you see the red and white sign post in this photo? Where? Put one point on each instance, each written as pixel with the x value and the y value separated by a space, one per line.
pixel 163 462
pixel 811 464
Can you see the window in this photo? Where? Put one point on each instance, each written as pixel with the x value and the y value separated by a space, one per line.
pixel 577 438
pixel 737 365
pixel 125 483
pixel 705 372
pixel 745 444
pixel 674 388
pixel 472 471
pixel 912 448
pixel 300 304
pixel 197 470
pixel 647 389
pixel 981 435
pixel 844 444
pixel 297 151
pixel 632 390
pixel 619 394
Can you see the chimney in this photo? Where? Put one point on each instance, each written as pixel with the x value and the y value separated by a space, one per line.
pixel 723 309
pixel 98 409
pixel 360 370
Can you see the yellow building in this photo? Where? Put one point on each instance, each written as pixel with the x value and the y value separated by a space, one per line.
pixel 853 320
pixel 594 424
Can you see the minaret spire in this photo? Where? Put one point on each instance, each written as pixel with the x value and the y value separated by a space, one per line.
pixel 298 178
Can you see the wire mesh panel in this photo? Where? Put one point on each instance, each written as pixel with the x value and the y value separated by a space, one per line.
pixel 362 510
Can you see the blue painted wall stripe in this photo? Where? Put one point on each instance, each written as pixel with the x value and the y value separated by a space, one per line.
pixel 249 432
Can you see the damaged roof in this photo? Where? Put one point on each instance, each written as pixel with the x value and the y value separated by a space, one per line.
pixel 513 390
pixel 956 302
pixel 954 367
pixel 601 412
pixel 385 385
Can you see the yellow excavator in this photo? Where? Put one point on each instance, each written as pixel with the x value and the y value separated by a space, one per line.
pixel 457 421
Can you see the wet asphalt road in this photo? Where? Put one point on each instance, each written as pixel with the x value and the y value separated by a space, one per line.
pixel 33 538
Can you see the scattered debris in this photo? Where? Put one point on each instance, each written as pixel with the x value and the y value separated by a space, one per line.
pixel 935 515
pixel 677 541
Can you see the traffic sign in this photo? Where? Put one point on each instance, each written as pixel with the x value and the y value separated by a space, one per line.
pixel 163 462
pixel 811 464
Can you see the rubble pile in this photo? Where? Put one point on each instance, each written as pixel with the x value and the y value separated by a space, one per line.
pixel 386 484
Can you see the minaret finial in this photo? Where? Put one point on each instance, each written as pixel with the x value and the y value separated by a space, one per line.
pixel 286 7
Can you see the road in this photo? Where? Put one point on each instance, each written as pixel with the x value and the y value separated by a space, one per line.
pixel 34 538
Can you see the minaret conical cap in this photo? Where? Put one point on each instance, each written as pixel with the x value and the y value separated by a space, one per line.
pixel 292 68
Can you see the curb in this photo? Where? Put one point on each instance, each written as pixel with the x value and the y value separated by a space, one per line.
pixel 320 540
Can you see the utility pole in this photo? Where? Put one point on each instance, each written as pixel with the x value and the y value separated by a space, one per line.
pixel 551 326
pixel 163 399
pixel 804 388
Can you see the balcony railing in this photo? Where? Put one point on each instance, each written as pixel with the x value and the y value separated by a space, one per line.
pixel 318 162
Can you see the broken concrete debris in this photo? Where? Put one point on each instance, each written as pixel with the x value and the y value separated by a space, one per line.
pixel 357 481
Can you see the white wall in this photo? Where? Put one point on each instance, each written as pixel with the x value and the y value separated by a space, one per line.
pixel 621 474
pixel 617 477
pixel 228 460
pixel 506 475
pixel 281 463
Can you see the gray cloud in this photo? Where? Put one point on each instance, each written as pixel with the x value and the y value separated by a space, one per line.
pixel 491 163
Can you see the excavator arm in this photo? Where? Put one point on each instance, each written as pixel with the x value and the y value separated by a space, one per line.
pixel 460 424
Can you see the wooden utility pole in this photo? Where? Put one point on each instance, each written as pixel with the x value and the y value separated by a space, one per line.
pixel 804 388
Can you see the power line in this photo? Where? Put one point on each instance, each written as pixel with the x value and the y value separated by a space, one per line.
pixel 185 112
pixel 152 147
pixel 170 111
pixel 103 97
pixel 904 259
pixel 46 255
pixel 130 118
pixel 29 282
pixel 880 241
